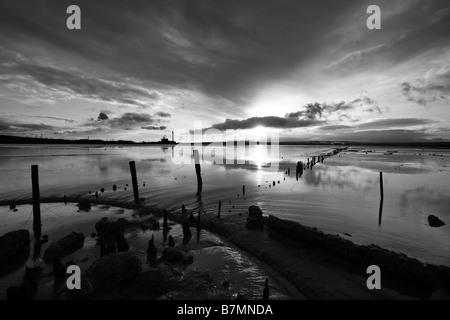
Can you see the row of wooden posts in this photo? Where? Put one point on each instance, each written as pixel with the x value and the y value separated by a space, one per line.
pixel 37 224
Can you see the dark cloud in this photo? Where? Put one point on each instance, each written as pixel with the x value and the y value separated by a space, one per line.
pixel 435 87
pixel 335 127
pixel 395 123
pixel 271 122
pixel 131 120
pixel 71 82
pixel 8 127
pixel 154 128
pixel 421 26
pixel 312 111
pixel 392 136
pixel 223 48
pixel 163 114
pixel 102 116
pixel 55 118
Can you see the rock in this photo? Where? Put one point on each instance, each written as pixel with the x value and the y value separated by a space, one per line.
pixel 59 271
pixel 255 218
pixel 22 292
pixel 255 212
pixel 171 242
pixel 435 222
pixel 84 205
pixel 113 270
pixel 186 230
pixel 153 283
pixel 66 245
pixel 156 226
pixel 122 222
pixel 174 255
pixel 32 276
pixel 14 243
pixel 111 235
pixel 151 250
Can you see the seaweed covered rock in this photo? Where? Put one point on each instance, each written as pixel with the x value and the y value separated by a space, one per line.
pixel 66 245
pixel 255 218
pixel 111 236
pixel 112 270
pixel 175 255
pixel 435 222
pixel 14 243
pixel 84 205
pixel 154 282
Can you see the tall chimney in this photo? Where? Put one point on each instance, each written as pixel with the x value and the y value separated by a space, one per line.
pixel 172 136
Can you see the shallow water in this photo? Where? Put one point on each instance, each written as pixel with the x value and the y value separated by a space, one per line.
pixel 342 195
pixel 210 252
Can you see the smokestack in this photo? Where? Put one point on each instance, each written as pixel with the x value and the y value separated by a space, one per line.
pixel 172 136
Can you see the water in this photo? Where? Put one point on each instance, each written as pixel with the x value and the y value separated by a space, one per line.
pixel 339 196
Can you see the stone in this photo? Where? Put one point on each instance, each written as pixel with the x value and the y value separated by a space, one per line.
pixel 255 212
pixel 111 235
pixel 435 222
pixel 14 243
pixel 175 255
pixel 84 205
pixel 66 245
pixel 112 270
pixel 171 242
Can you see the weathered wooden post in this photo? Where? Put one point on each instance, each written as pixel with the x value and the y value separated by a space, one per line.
pixel 165 224
pixel 220 208
pixel 266 290
pixel 381 199
pixel 134 181
pixel 199 223
pixel 37 226
pixel 198 172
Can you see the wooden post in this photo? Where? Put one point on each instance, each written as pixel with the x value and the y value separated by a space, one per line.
pixel 380 213
pixel 243 190
pixel 134 181
pixel 266 290
pixel 220 208
pixel 198 172
pixel 165 224
pixel 37 226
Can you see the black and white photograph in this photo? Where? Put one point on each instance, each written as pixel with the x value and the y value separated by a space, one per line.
pixel 241 151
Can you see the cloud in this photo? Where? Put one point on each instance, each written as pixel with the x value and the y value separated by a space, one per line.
pixel 163 114
pixel 62 84
pixel 11 127
pixel 435 86
pixel 395 123
pixel 154 128
pixel 55 118
pixel 335 127
pixel 102 116
pixel 270 122
pixel 389 136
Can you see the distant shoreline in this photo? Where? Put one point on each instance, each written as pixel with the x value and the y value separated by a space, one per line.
pixel 24 140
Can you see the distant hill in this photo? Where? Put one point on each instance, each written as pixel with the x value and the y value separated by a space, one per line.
pixel 25 140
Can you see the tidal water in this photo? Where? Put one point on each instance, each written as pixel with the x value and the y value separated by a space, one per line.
pixel 340 196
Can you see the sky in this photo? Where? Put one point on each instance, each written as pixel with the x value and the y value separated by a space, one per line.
pixel 307 70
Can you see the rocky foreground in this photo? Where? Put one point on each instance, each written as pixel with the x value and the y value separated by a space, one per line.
pixel 319 265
